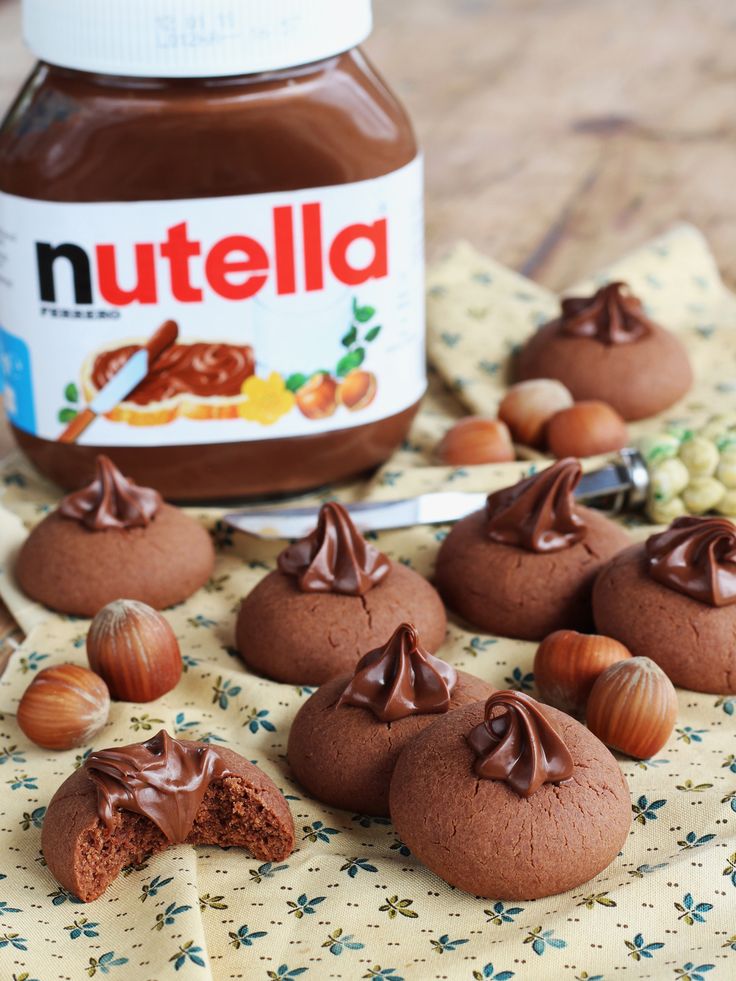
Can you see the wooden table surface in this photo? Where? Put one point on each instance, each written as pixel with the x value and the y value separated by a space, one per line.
pixel 558 133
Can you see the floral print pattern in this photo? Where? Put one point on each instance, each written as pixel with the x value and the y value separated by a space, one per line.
pixel 352 901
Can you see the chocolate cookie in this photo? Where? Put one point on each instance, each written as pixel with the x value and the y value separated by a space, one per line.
pixel 525 565
pixel 604 347
pixel 346 738
pixel 129 802
pixel 114 540
pixel 510 800
pixel 333 597
pixel 673 599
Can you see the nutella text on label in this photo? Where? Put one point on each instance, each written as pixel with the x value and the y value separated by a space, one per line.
pixel 236 267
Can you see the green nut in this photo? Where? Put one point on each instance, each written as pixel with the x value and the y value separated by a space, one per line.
pixel 700 456
pixel 726 443
pixel 663 514
pixel 715 427
pixel 668 480
pixel 726 471
pixel 659 447
pixel 727 504
pixel 703 494
pixel 680 430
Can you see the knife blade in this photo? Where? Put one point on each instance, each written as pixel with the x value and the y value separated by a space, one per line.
pixel 426 509
pixel 625 479
pixel 121 384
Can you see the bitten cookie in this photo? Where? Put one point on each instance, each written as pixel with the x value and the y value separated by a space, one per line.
pixel 673 599
pixel 346 738
pixel 605 347
pixel 525 565
pixel 129 802
pixel 114 540
pixel 333 597
pixel 510 800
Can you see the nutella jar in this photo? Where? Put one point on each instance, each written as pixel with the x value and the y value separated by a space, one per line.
pixel 211 246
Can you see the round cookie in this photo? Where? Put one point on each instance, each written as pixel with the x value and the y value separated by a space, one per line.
pixel 514 591
pixel 343 750
pixel 89 834
pixel 482 836
pixel 120 542
pixel 640 369
pixel 689 638
pixel 313 618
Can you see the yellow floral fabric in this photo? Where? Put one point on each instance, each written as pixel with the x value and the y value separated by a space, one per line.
pixel 352 902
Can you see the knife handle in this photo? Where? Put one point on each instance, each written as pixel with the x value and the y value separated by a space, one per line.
pixel 77 426
pixel 164 337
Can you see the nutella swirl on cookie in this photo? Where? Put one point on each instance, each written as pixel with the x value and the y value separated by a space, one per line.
pixel 697 557
pixel 610 316
pixel 163 779
pixel 517 743
pixel 111 501
pixel 401 679
pixel 334 558
pixel 538 514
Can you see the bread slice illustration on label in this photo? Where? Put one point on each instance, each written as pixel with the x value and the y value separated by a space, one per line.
pixel 154 382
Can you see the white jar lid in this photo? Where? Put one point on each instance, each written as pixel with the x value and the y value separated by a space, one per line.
pixel 192 38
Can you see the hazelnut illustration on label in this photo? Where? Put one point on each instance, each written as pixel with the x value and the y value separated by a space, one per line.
pixel 319 394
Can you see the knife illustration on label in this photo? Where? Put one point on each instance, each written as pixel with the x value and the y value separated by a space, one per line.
pixel 132 373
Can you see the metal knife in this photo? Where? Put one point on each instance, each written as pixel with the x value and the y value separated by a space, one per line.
pixel 623 483
pixel 122 383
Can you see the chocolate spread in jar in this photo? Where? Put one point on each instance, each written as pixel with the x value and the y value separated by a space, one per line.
pixel 275 214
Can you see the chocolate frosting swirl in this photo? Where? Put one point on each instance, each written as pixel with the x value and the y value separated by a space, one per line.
pixel 610 316
pixel 518 744
pixel 401 679
pixel 164 779
pixel 111 501
pixel 697 557
pixel 334 558
pixel 538 513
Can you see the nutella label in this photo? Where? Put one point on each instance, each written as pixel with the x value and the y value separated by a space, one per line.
pixel 283 315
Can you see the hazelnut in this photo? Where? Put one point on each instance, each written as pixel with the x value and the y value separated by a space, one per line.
pixel 63 707
pixel 358 389
pixel 528 406
pixel 317 398
pixel 633 707
pixel 476 440
pixel 135 650
pixel 567 664
pixel 586 429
